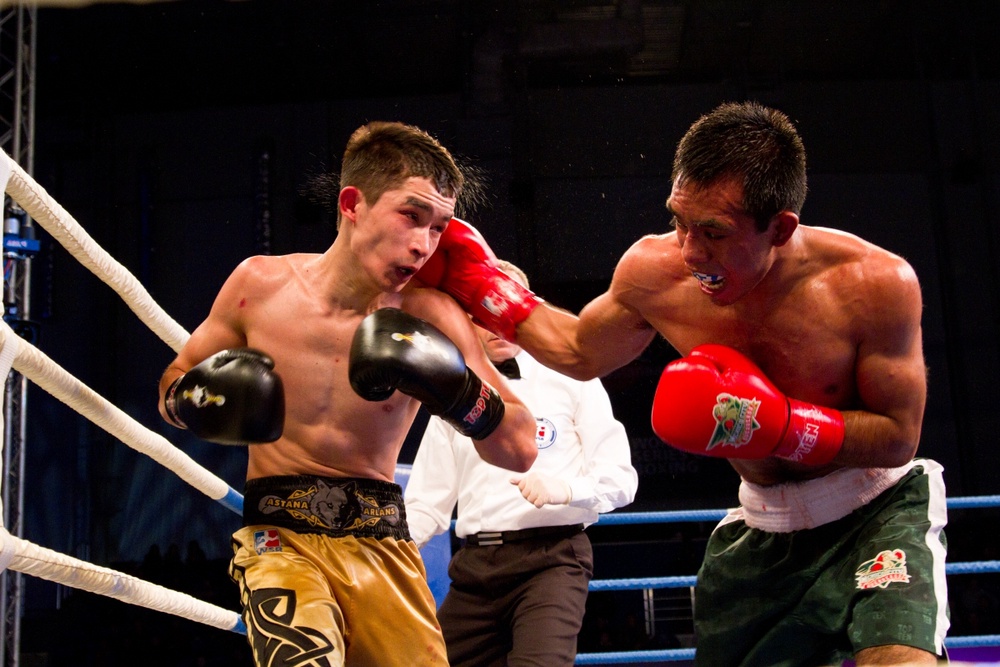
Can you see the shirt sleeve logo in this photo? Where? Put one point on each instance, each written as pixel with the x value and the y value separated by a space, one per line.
pixel 545 433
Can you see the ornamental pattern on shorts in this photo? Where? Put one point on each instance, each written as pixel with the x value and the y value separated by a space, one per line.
pixel 276 640
pixel 886 568
pixel 735 421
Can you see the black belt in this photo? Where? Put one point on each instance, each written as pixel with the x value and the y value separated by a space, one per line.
pixel 334 506
pixel 495 539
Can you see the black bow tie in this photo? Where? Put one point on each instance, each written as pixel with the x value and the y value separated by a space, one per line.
pixel 509 368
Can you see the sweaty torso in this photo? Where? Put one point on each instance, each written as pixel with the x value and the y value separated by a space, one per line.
pixel 801 325
pixel 329 429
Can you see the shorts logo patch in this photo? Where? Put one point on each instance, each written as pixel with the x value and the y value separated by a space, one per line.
pixel 545 433
pixel 886 568
pixel 266 540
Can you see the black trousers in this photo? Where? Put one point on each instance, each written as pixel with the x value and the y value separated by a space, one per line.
pixel 520 604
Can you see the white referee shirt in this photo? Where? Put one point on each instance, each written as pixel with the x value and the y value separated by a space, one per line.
pixel 579 441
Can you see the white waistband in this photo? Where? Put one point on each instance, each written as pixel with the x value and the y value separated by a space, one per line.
pixel 783 508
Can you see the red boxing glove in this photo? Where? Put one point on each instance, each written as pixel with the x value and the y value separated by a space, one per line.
pixel 719 403
pixel 465 267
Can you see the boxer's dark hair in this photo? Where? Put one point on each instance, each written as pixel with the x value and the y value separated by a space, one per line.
pixel 381 155
pixel 753 143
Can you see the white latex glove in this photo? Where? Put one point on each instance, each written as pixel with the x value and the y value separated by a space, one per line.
pixel 542 490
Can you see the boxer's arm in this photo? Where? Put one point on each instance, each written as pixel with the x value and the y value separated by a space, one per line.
pixel 604 337
pixel 463 265
pixel 220 330
pixel 232 398
pixel 610 331
pixel 890 372
pixel 511 445
pixel 393 350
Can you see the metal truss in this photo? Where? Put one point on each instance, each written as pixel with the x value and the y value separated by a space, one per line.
pixel 17 131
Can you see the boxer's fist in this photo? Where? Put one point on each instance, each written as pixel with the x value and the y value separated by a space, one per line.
pixel 465 267
pixel 232 398
pixel 393 350
pixel 719 403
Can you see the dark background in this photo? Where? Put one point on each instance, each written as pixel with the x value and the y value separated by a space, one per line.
pixel 179 134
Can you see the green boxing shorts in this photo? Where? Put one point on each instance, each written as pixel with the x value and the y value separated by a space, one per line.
pixel 803 594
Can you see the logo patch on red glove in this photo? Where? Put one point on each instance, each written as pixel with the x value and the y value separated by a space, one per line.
pixel 735 421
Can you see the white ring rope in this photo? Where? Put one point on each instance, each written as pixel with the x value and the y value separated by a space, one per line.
pixel 51 565
pixel 40 369
pixel 42 208
pixel 23 556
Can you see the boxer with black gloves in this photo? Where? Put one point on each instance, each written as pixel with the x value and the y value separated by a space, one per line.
pixel 802 364
pixel 324 562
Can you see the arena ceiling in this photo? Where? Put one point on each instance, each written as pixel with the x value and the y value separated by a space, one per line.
pixel 192 53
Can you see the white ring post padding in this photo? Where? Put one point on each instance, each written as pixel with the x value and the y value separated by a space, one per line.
pixel 34 365
pixel 23 556
pixel 7 353
pixel 33 198
pixel 5 171
pixel 8 549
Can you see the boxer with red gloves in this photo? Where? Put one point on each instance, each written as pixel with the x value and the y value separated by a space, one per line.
pixel 802 364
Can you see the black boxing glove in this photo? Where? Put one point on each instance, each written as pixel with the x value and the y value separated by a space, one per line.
pixel 232 398
pixel 393 350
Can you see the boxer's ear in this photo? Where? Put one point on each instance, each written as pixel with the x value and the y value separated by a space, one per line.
pixel 348 202
pixel 782 226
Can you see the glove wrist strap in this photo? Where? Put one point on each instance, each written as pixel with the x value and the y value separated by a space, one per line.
pixel 814 435
pixel 479 412
pixel 170 403
pixel 503 304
